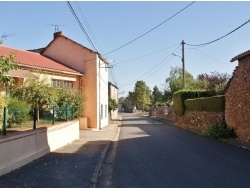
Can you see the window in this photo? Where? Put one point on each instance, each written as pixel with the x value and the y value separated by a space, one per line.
pixel 106 109
pixel 101 111
pixel 61 84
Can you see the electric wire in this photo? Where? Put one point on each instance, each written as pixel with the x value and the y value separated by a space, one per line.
pixel 87 24
pixel 151 53
pixel 150 29
pixel 207 43
pixel 177 49
pixel 81 26
pixel 211 56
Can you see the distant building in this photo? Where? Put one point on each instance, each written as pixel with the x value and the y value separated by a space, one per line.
pixel 113 94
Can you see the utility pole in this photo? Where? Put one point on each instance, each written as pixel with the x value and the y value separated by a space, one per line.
pixel 183 65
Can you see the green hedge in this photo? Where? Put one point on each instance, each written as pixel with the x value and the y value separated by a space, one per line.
pixel 209 104
pixel 180 97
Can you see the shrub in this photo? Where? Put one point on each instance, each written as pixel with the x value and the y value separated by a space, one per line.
pixel 72 98
pixel 219 132
pixel 18 111
pixel 180 97
pixel 3 103
pixel 209 104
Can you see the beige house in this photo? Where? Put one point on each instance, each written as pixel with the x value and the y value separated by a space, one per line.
pixel 237 95
pixel 35 65
pixel 95 69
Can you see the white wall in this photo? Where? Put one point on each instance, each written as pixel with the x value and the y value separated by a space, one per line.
pixel 22 148
pixel 102 91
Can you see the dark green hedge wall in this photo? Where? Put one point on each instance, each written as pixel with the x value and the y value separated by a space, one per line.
pixel 180 97
pixel 209 104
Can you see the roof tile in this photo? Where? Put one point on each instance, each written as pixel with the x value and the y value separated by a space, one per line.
pixel 35 60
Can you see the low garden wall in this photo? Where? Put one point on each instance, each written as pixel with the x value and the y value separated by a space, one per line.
pixel 18 149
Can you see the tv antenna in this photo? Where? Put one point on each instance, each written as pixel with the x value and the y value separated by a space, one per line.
pixel 57 26
pixel 5 36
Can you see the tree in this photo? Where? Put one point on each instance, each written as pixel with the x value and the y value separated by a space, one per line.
pixel 141 94
pixel 113 105
pixel 7 63
pixel 37 93
pixel 156 96
pixel 214 82
pixel 73 98
pixel 122 102
pixel 175 80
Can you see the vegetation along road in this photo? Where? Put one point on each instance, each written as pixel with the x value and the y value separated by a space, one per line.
pixel 152 154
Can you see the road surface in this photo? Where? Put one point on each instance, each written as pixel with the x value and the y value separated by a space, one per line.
pixel 152 154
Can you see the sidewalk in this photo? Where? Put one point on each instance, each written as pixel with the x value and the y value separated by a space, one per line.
pixel 74 165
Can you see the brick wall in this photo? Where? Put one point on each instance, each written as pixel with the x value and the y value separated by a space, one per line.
pixel 237 107
pixel 197 121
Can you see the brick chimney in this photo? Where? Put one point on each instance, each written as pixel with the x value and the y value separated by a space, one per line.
pixel 56 34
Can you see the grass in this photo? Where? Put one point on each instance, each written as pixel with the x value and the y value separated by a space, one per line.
pixel 219 132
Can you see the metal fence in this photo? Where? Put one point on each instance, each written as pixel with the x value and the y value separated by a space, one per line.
pixel 28 118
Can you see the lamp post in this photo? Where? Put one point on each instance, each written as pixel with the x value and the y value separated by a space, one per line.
pixel 183 65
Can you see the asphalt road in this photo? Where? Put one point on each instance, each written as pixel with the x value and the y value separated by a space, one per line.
pixel 152 154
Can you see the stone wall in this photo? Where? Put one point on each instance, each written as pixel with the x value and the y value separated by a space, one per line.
pixel 163 112
pixel 194 121
pixel 237 106
pixel 197 121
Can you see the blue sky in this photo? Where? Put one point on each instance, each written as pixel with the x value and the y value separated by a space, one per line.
pixel 113 24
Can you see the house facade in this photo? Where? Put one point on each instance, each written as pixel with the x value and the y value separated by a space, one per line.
pixel 35 65
pixel 95 69
pixel 237 97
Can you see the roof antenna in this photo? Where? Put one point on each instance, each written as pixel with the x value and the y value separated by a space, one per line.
pixel 57 27
pixel 4 36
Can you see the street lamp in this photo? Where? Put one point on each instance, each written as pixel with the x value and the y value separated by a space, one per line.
pixel 183 65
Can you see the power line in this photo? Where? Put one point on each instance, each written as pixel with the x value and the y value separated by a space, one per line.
pixel 211 57
pixel 146 55
pixel 80 24
pixel 152 68
pixel 207 43
pixel 150 29
pixel 87 23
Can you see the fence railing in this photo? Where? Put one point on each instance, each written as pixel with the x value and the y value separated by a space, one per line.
pixel 27 118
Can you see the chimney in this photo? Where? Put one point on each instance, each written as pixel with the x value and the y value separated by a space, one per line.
pixel 56 34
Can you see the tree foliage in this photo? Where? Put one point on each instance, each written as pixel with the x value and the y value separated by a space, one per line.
pixel 7 63
pixel 175 80
pixel 156 96
pixel 113 105
pixel 73 98
pixel 215 81
pixel 37 93
pixel 141 94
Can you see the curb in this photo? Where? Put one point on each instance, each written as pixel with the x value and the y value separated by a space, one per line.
pixel 104 152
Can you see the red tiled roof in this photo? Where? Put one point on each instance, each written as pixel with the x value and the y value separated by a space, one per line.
pixel 36 60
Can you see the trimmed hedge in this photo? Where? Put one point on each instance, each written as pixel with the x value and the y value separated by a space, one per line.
pixel 180 97
pixel 209 104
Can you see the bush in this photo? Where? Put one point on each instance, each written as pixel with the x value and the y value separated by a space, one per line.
pixel 180 97
pixel 18 111
pixel 72 98
pixel 219 132
pixel 3 103
pixel 209 104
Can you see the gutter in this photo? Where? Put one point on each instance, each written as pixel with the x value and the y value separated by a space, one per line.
pixel 53 70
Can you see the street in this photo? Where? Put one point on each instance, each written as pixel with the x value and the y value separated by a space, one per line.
pixel 152 154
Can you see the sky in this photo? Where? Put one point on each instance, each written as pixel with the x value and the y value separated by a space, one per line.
pixel 112 24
